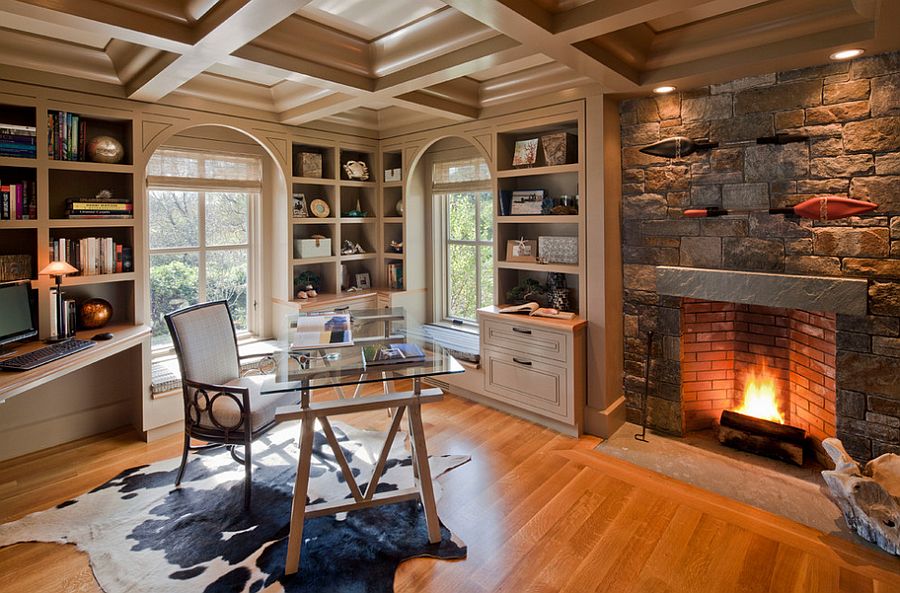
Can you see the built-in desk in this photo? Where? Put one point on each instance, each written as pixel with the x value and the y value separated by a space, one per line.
pixel 85 393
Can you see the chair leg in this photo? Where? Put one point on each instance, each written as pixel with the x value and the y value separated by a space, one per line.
pixel 184 456
pixel 248 481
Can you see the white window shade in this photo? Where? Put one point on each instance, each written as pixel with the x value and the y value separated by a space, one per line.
pixel 174 167
pixel 468 170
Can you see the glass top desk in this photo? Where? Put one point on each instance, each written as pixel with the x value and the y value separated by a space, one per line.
pixel 306 370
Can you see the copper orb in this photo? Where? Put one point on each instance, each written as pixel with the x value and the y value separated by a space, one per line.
pixel 94 313
pixel 105 149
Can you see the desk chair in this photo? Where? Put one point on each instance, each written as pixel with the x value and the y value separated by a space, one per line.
pixel 220 406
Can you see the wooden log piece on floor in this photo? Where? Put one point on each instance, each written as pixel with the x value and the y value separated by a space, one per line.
pixel 761 437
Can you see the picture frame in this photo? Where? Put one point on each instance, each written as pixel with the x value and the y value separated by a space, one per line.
pixel 521 250
pixel 363 281
pixel 525 153
pixel 300 209
pixel 526 202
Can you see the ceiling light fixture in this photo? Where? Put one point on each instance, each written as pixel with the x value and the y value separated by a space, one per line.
pixel 847 54
pixel 662 90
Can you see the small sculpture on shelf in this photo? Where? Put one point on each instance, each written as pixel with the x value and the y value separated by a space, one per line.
pixel 357 212
pixel 356 170
pixel 528 290
pixel 105 149
pixel 397 246
pixel 308 285
pixel 94 313
pixel 351 248
pixel 558 292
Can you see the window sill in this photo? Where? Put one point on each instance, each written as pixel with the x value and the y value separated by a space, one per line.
pixel 243 339
pixel 469 328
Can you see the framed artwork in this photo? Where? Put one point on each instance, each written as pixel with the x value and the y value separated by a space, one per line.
pixel 300 209
pixel 525 154
pixel 363 281
pixel 522 250
pixel 526 202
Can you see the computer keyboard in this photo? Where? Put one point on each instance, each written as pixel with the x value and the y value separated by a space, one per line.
pixel 35 358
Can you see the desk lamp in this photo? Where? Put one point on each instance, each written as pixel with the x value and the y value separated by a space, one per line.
pixel 58 269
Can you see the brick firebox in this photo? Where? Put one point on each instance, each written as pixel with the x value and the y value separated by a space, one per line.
pixel 723 343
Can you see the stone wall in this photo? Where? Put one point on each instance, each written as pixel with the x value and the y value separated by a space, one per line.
pixel 851 112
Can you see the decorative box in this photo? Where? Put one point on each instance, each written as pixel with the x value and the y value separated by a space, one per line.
pixel 558 250
pixel 305 248
pixel 15 267
pixel 560 148
pixel 391 175
pixel 309 164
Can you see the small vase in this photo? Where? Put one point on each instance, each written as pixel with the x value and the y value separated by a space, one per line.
pixel 399 208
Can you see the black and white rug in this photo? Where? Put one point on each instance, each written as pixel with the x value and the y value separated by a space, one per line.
pixel 142 534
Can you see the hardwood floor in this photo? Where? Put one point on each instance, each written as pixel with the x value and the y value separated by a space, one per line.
pixel 540 512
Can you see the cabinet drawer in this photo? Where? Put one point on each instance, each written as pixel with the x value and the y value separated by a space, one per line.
pixel 524 338
pixel 528 383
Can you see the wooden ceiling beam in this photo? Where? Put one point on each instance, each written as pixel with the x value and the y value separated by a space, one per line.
pixel 530 26
pixel 229 26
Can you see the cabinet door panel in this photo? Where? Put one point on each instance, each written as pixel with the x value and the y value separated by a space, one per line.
pixel 525 338
pixel 528 383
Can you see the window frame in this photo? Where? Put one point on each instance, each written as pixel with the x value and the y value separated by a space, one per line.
pixel 202 187
pixel 440 194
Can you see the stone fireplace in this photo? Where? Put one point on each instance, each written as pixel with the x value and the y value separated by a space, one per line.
pixel 819 279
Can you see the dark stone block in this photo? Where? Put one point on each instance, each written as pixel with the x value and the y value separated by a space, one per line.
pixel 760 255
pixel 644 206
pixel 660 256
pixel 851 404
pixel 859 447
pixel 884 298
pixel 854 342
pixel 870 324
pixel 766 162
pixel 744 127
pixel 670 321
pixel 884 190
pixel 701 252
pixel 867 373
pixel 846 242
pixel 880 134
pixel 814 72
pixel 780 97
pixel 671 228
pixel 879 449
pixel 871 430
pixel 884 405
pixel 724 227
pixel 871 66
pixel 767 226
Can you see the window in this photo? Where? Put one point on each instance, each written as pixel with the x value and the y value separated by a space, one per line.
pixel 201 233
pixel 462 191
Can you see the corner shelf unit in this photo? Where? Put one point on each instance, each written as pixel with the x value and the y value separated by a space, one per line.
pixel 555 180
pixel 55 181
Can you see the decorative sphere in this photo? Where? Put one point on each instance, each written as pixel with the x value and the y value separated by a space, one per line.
pixel 399 208
pixel 105 149
pixel 94 313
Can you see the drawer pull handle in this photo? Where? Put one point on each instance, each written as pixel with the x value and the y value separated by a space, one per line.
pixel 525 362
pixel 522 331
pixel 344 308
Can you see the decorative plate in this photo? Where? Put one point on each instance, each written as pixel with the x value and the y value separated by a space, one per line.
pixel 319 208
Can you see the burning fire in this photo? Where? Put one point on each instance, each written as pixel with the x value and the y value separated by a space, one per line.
pixel 760 398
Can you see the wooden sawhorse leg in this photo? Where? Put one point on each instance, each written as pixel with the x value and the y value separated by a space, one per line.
pixel 301 486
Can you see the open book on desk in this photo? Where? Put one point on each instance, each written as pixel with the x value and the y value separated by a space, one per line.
pixel 535 310
pixel 322 331
pixel 383 354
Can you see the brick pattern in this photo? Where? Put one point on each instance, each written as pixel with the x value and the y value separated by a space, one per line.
pixel 851 112
pixel 721 343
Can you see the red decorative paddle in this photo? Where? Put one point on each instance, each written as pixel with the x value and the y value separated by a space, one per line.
pixel 821 208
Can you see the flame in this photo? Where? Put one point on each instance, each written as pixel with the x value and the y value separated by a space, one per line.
pixel 760 397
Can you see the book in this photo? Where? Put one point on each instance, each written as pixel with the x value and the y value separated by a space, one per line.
pixel 535 310
pixel 380 354
pixel 322 331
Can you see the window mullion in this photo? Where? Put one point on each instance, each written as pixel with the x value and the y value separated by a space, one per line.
pixel 201 276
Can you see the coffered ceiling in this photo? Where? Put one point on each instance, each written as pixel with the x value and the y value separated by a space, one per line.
pixel 386 64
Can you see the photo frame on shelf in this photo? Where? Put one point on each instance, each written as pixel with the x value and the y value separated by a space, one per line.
pixel 521 250
pixel 363 281
pixel 526 202
pixel 525 153
pixel 300 209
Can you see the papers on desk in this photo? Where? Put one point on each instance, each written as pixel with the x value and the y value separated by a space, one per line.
pixel 379 354
pixel 322 331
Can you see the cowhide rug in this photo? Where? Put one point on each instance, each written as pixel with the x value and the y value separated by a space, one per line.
pixel 143 534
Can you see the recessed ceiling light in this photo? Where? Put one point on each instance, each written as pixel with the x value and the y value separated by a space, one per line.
pixel 847 54
pixel 662 90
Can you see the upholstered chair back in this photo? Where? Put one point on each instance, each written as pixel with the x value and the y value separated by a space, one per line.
pixel 205 341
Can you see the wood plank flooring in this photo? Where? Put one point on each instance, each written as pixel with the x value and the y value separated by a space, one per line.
pixel 540 512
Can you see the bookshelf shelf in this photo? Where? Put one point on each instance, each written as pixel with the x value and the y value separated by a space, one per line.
pixel 538 267
pixel 546 170
pixel 97 279
pixel 19 224
pixel 540 219
pixel 93 223
pixel 312 180
pixel 358 219
pixel 14 161
pixel 351 183
pixel 359 257
pixel 311 220
pixel 307 261
pixel 89 166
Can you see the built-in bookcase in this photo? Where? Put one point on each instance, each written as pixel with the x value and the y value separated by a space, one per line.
pixel 57 180
pixel 555 181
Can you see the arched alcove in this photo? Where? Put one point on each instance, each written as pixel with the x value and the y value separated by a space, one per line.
pixel 427 228
pixel 214 228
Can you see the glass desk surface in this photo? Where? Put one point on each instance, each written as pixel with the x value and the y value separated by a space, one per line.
pixel 289 369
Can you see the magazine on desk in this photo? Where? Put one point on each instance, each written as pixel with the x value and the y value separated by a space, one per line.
pixel 382 353
pixel 322 331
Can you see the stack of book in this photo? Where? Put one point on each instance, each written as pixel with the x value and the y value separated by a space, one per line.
pixel 18 201
pixel 67 136
pixel 395 276
pixel 18 141
pixel 99 207
pixel 93 255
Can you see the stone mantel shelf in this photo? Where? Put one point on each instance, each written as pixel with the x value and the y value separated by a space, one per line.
pixel 809 293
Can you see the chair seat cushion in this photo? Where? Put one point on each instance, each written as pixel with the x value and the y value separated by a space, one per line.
pixel 262 406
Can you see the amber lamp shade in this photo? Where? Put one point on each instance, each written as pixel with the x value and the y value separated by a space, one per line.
pixel 58 269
